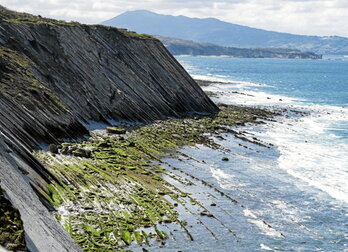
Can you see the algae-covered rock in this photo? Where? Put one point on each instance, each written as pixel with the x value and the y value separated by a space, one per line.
pixel 126 236
pixel 115 130
pixel 120 191
pixel 11 226
pixel 80 152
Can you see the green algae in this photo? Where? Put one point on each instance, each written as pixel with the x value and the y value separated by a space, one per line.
pixel 118 189
pixel 11 226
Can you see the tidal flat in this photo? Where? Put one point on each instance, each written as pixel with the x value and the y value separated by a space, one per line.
pixel 115 190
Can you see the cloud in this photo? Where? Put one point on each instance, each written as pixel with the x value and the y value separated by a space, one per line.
pixel 312 17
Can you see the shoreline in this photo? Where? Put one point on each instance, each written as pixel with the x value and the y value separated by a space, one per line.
pixel 88 171
pixel 199 171
pixel 176 163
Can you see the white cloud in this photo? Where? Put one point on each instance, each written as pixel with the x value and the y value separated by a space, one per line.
pixel 314 17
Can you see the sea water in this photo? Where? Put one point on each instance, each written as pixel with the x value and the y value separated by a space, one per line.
pixel 299 186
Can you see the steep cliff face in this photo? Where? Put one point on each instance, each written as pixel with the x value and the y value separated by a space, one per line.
pixel 55 78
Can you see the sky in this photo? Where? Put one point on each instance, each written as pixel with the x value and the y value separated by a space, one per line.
pixel 308 17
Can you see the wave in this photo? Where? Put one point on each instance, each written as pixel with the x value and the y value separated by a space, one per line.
pixel 312 148
pixel 225 80
pixel 227 94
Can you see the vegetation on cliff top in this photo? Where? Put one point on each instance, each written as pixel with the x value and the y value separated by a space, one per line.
pixel 19 18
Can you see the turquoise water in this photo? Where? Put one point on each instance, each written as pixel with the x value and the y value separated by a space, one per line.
pixel 317 81
pixel 299 186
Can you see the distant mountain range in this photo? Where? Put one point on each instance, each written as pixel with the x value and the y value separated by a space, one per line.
pixel 221 33
pixel 188 47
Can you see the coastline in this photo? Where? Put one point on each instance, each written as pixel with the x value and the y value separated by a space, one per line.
pixel 215 182
pixel 261 172
pixel 135 158
pixel 282 208
pixel 142 160
pixel 186 168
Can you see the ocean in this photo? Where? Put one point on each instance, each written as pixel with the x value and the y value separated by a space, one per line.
pixel 293 195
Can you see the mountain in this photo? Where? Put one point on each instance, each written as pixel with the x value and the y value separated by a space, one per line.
pixel 214 31
pixel 55 79
pixel 187 47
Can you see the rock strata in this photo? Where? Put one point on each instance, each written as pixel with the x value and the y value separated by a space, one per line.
pixel 57 77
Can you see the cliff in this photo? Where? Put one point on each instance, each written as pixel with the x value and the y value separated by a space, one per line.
pixel 56 77
pixel 187 47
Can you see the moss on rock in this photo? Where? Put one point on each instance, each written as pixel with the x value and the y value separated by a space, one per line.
pixel 11 226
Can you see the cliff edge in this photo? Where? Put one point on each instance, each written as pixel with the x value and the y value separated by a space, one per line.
pixel 57 77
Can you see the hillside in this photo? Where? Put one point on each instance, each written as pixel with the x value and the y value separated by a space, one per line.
pixel 58 79
pixel 214 31
pixel 186 47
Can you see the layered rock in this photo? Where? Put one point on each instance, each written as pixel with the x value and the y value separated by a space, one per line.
pixel 55 78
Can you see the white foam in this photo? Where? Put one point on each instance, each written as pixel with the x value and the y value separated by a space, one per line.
pixel 312 154
pixel 323 163
pixel 227 94
pixel 309 152
pixel 224 179
pixel 263 226
pixel 222 80
pixel 264 247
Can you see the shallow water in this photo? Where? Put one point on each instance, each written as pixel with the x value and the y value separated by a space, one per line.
pixel 291 196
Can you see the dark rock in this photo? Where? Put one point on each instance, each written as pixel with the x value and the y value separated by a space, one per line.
pixel 104 145
pixel 204 213
pixel 82 153
pixel 225 159
pixel 53 148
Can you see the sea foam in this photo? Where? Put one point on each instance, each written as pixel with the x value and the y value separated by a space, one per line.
pixel 308 150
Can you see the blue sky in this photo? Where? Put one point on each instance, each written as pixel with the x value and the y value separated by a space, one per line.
pixel 311 17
